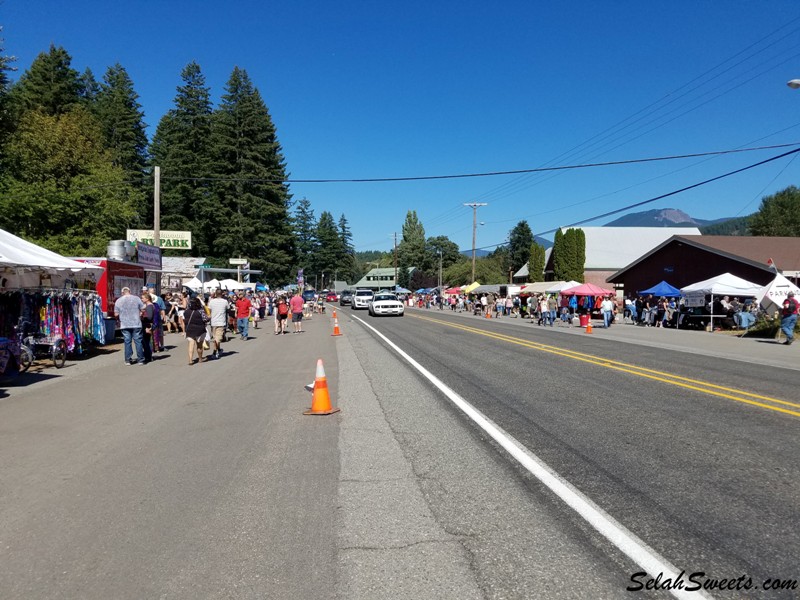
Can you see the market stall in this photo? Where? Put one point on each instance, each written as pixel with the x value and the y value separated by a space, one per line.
pixel 42 290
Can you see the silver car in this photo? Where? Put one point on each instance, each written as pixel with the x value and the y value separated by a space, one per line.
pixel 361 299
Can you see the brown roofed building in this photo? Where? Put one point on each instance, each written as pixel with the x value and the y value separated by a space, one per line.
pixel 686 259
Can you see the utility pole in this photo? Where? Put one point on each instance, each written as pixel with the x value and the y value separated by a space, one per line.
pixel 395 260
pixel 440 271
pixel 474 206
pixel 157 218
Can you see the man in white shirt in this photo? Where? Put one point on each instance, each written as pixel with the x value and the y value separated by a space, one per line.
pixel 219 317
pixel 607 306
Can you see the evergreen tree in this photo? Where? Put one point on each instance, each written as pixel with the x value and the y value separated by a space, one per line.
pixel 569 255
pixel 778 215
pixel 88 88
pixel 347 262
pixel 519 242
pixel 329 246
pixel 6 66
pixel 121 118
pixel 536 263
pixel 50 84
pixel 403 276
pixel 559 254
pixel 412 246
pixel 181 147
pixel 305 228
pixel 251 193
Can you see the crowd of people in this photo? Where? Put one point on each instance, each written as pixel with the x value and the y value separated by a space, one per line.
pixel 206 321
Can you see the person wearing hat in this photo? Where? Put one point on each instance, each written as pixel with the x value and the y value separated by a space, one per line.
pixel 789 317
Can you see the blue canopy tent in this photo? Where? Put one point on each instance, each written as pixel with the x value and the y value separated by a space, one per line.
pixel 662 289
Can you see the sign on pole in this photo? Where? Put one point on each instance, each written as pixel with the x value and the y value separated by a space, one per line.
pixel 180 240
pixel 237 261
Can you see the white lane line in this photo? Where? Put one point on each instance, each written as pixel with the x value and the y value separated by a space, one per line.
pixel 626 541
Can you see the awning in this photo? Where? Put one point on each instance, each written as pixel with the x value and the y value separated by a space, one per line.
pixel 17 253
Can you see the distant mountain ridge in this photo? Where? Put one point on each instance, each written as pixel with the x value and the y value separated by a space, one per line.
pixel 662 217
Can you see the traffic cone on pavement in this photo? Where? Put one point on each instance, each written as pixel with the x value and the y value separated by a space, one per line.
pixel 321 400
pixel 336 327
pixel 589 326
pixel 333 316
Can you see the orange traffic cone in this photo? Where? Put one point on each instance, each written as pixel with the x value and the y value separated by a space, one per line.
pixel 589 326
pixel 334 313
pixel 488 315
pixel 336 327
pixel 321 400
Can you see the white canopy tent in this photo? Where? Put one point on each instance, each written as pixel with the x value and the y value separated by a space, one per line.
pixel 196 285
pixel 538 287
pixel 773 294
pixel 232 284
pixel 19 258
pixel 557 286
pixel 726 284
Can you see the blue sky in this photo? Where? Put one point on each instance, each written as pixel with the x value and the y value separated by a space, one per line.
pixel 378 89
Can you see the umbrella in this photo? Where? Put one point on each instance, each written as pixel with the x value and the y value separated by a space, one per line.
pixel 453 290
pixel 662 289
pixel 586 289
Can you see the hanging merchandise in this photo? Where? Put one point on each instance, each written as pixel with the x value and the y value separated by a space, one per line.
pixel 76 316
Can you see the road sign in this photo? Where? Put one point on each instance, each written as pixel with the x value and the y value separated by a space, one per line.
pixel 202 266
pixel 237 261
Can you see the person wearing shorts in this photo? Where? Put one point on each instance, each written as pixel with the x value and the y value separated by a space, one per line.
pixel 218 306
pixel 296 304
pixel 281 313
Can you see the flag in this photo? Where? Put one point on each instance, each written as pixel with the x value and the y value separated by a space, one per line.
pixel 771 265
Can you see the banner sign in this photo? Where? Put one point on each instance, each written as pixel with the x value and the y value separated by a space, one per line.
pixel 148 256
pixel 694 299
pixel 180 240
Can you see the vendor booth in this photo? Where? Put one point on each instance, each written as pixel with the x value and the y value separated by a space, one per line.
pixel 42 292
pixel 727 284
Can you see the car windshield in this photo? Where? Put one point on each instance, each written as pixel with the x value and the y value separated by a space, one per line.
pixel 363 293
pixel 385 297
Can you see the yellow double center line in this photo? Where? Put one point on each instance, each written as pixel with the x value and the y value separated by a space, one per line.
pixel 646 372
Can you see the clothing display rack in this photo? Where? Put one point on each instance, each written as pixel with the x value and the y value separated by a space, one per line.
pixel 71 314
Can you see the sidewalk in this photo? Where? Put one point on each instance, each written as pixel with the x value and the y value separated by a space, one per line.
pixel 723 345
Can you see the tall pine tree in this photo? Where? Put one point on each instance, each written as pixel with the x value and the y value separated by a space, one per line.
pixel 305 227
pixel 412 247
pixel 251 193
pixel 329 247
pixel 519 243
pixel 122 120
pixel 347 261
pixel 182 148
pixel 50 84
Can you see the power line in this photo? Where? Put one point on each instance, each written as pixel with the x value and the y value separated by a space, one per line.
pixel 492 173
pixel 661 197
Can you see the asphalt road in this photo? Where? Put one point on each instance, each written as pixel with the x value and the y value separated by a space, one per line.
pixel 170 481
pixel 708 481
